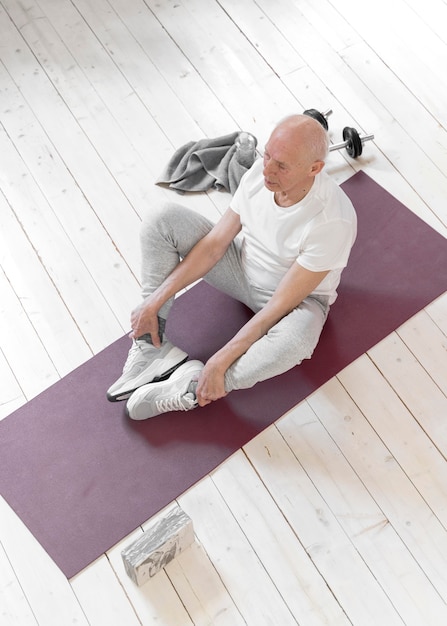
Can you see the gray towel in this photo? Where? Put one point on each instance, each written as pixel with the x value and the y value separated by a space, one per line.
pixel 220 163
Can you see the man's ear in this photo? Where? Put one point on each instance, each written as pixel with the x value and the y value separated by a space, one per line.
pixel 316 167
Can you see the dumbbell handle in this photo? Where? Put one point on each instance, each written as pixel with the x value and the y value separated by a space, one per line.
pixel 343 144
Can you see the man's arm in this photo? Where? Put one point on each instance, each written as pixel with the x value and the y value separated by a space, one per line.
pixel 295 286
pixel 200 260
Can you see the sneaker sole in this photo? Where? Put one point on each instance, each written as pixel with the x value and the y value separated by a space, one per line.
pixel 125 395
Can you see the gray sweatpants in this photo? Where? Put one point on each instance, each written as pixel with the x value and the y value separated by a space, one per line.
pixel 168 234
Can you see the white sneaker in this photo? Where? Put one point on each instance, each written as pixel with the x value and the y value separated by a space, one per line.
pixel 145 363
pixel 177 393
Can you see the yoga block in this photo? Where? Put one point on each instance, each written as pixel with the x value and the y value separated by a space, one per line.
pixel 158 546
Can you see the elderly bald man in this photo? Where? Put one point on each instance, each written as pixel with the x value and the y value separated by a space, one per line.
pixel 280 248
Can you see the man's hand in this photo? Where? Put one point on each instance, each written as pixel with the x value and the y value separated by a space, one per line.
pixel 144 320
pixel 211 385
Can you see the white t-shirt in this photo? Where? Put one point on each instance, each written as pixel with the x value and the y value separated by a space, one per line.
pixel 318 232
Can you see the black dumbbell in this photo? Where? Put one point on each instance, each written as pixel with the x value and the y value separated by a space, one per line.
pixel 319 116
pixel 352 141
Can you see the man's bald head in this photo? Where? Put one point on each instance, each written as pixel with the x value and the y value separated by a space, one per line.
pixel 303 130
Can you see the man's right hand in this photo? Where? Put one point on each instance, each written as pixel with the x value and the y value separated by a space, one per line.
pixel 144 320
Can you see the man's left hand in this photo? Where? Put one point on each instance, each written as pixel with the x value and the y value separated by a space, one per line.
pixel 210 386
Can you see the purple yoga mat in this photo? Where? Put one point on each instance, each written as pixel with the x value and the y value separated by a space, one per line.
pixel 82 476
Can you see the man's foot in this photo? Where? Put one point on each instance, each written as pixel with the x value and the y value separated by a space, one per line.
pixel 145 364
pixel 177 393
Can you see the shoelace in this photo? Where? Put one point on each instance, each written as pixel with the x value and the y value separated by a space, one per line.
pixel 180 402
pixel 136 347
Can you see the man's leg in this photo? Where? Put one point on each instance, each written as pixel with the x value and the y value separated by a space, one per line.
pixel 287 344
pixel 167 236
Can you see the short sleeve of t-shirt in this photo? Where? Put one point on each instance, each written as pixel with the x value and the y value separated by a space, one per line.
pixel 326 247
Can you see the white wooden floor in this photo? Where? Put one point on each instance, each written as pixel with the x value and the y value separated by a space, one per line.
pixel 335 515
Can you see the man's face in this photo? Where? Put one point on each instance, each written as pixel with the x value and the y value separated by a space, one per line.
pixel 287 167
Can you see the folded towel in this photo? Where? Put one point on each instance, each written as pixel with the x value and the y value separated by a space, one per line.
pixel 220 163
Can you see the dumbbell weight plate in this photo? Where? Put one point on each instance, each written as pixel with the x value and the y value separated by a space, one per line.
pixel 317 116
pixel 354 145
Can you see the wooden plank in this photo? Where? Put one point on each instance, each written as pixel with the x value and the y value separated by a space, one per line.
pixel 437 310
pixel 239 568
pixel 316 527
pixel 404 371
pixel 375 464
pixel 327 21
pixel 45 587
pixel 265 37
pixel 388 559
pixel 201 590
pixel 429 343
pixel 35 372
pixel 15 610
pixel 102 597
pixel 12 396
pixel 299 582
pixel 433 13
pixel 393 422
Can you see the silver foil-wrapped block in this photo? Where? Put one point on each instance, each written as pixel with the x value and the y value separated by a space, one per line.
pixel 158 546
